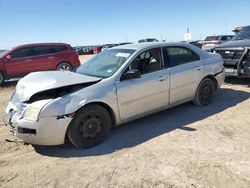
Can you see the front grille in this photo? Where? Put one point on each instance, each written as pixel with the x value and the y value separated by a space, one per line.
pixel 231 54
pixel 247 57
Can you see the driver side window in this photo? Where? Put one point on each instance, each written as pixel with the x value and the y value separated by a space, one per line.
pixel 147 62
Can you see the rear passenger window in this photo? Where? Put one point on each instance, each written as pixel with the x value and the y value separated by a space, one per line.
pixel 42 50
pixel 174 56
pixel 59 48
pixel 23 52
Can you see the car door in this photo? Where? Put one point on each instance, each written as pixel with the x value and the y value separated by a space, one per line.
pixel 43 58
pixel 140 96
pixel 19 63
pixel 186 71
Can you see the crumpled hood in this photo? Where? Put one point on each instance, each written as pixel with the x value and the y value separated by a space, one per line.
pixel 235 44
pixel 42 81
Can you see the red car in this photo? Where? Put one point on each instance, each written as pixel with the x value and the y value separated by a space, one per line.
pixel 25 59
pixel 97 49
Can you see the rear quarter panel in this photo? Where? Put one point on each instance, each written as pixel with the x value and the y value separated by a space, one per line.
pixel 74 59
pixel 67 56
pixel 213 64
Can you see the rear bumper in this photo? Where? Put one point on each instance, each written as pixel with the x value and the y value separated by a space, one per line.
pixel 45 131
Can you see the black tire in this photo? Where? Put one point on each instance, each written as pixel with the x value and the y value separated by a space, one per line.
pixel 64 67
pixel 89 127
pixel 204 92
pixel 2 78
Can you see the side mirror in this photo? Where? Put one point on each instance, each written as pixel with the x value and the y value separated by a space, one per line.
pixel 8 57
pixel 131 74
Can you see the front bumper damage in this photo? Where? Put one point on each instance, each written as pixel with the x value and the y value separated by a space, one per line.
pixel 51 120
pixel 45 131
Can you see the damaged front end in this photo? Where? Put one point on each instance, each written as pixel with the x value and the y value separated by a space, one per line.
pixel 43 118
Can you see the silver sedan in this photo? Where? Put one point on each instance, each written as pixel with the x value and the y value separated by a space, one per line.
pixel 114 87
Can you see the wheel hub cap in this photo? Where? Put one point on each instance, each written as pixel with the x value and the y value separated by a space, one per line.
pixel 205 93
pixel 90 127
pixel 64 67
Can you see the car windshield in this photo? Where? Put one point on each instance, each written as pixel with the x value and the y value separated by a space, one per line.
pixel 212 38
pixel 3 52
pixel 243 34
pixel 106 63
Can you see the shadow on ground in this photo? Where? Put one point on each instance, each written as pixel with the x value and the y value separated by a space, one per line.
pixel 144 129
pixel 9 84
pixel 238 81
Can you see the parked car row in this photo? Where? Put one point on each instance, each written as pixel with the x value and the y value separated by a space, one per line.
pixel 25 59
pixel 148 40
pixel 85 50
pixel 213 41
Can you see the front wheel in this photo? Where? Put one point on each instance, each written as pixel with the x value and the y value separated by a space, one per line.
pixel 204 92
pixel 89 127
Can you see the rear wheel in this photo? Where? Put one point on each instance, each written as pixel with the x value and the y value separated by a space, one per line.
pixel 89 127
pixel 204 92
pixel 1 78
pixel 64 67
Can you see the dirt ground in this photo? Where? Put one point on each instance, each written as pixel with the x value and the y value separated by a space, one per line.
pixel 186 146
pixel 84 58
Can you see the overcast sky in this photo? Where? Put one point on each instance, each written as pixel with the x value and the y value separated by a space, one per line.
pixel 85 22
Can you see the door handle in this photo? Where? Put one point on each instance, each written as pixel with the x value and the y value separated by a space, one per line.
pixel 198 68
pixel 161 78
pixel 50 57
pixel 28 60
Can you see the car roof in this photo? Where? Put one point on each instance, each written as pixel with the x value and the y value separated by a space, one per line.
pixel 141 46
pixel 144 46
pixel 42 44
